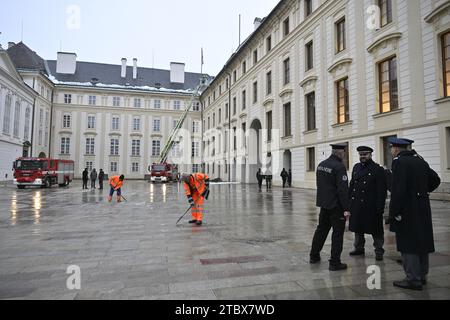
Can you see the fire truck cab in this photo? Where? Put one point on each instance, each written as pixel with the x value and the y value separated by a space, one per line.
pixel 42 172
pixel 164 173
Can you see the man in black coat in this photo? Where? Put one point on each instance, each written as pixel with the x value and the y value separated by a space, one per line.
pixel 259 177
pixel 410 212
pixel 101 177
pixel 85 178
pixel 368 193
pixel 284 177
pixel 289 178
pixel 332 198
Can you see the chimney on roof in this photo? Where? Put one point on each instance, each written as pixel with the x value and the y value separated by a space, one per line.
pixel 11 44
pixel 66 63
pixel 123 72
pixel 134 68
pixel 177 72
pixel 257 22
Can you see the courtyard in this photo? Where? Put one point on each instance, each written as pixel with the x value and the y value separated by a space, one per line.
pixel 253 245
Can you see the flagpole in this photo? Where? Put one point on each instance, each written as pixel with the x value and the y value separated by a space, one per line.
pixel 201 63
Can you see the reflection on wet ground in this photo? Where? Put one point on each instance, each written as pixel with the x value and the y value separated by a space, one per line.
pixel 253 245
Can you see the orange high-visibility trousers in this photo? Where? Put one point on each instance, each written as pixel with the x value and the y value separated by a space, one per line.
pixel 197 209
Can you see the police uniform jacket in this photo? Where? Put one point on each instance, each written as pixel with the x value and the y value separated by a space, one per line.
pixel 367 198
pixel 409 210
pixel 332 184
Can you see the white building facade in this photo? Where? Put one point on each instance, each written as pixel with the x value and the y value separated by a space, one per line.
pixel 16 112
pixel 316 72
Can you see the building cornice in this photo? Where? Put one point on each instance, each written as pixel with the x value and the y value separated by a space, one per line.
pixel 387 37
pixel 339 63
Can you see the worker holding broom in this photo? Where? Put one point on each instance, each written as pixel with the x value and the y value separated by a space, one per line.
pixel 116 184
pixel 196 187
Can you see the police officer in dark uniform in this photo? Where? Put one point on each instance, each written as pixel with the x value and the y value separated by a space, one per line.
pixel 410 212
pixel 332 198
pixel 368 193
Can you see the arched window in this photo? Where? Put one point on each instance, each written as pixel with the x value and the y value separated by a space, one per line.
pixel 16 119
pixel 7 115
pixel 26 130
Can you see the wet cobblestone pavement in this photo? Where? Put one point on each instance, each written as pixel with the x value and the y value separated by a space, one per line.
pixel 253 245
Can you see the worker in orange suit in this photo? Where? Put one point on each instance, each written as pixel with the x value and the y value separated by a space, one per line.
pixel 116 184
pixel 197 190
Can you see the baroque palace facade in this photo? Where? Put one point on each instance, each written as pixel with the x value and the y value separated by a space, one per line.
pixel 316 72
pixel 112 117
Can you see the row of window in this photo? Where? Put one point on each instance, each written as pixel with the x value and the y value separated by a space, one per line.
pixel 135 147
pixel 16 120
pixel 115 123
pixel 117 101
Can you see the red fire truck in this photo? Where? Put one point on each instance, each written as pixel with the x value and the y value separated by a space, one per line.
pixel 42 172
pixel 164 172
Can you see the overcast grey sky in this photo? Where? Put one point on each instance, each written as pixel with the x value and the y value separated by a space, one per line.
pixel 154 32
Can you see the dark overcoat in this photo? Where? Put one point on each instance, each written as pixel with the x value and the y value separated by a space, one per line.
pixel 409 210
pixel 367 198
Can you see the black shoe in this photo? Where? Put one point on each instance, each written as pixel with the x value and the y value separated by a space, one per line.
pixel 338 267
pixel 193 221
pixel 357 253
pixel 199 223
pixel 314 260
pixel 405 284
pixel 379 257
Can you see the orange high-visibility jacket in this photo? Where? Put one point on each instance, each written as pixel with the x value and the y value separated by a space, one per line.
pixel 115 182
pixel 199 182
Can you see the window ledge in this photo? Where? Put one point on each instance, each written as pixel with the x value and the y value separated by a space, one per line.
pixel 386 114
pixel 338 125
pixel 442 100
pixel 287 137
pixel 310 131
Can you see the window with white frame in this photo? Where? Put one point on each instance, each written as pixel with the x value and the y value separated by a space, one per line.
pixel 195 126
pixel 7 115
pixel 40 137
pixel 136 124
pixel 195 149
pixel 195 168
pixel 67 120
pixel 67 98
pixel 176 105
pixel 16 120
pixel 136 148
pixel 92 100
pixel 116 101
pixel 176 151
pixel 113 166
pixel 65 145
pixel 157 104
pixel 90 146
pixel 287 71
pixel 89 165
pixel 156 125
pixel 137 102
pixel 135 167
pixel 175 123
pixel 156 148
pixel 196 106
pixel 114 147
pixel 91 122
pixel 115 123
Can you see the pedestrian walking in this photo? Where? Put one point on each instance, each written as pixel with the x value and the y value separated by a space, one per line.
pixel 368 193
pixel 290 178
pixel 260 178
pixel 268 177
pixel 332 198
pixel 85 178
pixel 410 212
pixel 284 177
pixel 93 178
pixel 196 187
